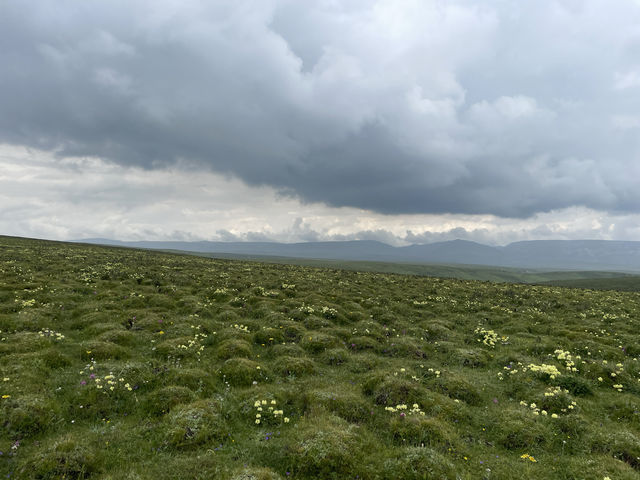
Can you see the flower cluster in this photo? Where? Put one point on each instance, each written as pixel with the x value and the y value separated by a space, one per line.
pixel 263 292
pixel 619 369
pixel 288 286
pixel 238 301
pixel 26 303
pixel 550 370
pixel 107 383
pixel 489 337
pixel 195 342
pixel 264 408
pixel 329 312
pixel 536 411
pixel 553 400
pixel 435 372
pixel 404 410
pixel 308 309
pixel 242 328
pixel 565 356
pixel 554 391
pixel 526 456
pixel 45 332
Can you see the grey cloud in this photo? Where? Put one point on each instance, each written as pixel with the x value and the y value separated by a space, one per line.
pixel 396 107
pixel 226 236
pixel 458 233
pixel 378 235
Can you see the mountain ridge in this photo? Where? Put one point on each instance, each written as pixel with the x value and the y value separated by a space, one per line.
pixel 615 255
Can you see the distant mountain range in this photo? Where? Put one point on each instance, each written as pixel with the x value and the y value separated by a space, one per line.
pixel 538 254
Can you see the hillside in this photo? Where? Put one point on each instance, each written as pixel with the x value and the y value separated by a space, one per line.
pixel 125 364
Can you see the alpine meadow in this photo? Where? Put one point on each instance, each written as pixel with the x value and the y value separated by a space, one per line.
pixel 131 364
pixel 319 240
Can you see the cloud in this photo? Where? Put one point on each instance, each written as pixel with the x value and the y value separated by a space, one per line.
pixel 399 107
pixel 43 196
pixel 626 80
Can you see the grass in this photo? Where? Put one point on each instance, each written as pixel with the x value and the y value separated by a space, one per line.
pixel 129 364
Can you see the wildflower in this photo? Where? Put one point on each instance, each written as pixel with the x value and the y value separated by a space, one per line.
pixel 4 397
pixel 550 370
pixel 286 419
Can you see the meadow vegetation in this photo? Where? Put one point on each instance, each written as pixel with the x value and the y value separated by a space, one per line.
pixel 131 364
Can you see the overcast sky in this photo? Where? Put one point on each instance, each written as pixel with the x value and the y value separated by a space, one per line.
pixel 399 120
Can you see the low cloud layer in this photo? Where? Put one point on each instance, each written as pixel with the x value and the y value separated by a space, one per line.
pixel 398 107
pixel 45 197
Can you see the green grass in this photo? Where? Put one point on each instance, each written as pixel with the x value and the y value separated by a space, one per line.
pixel 130 364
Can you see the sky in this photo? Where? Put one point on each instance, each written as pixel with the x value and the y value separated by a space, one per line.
pixel 404 121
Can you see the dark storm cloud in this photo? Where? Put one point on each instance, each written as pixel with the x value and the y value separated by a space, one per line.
pixel 393 106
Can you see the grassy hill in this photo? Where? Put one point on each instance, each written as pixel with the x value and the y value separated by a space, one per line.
pixel 128 364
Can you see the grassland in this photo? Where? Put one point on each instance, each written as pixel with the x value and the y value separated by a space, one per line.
pixel 603 280
pixel 126 364
pixel 629 283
